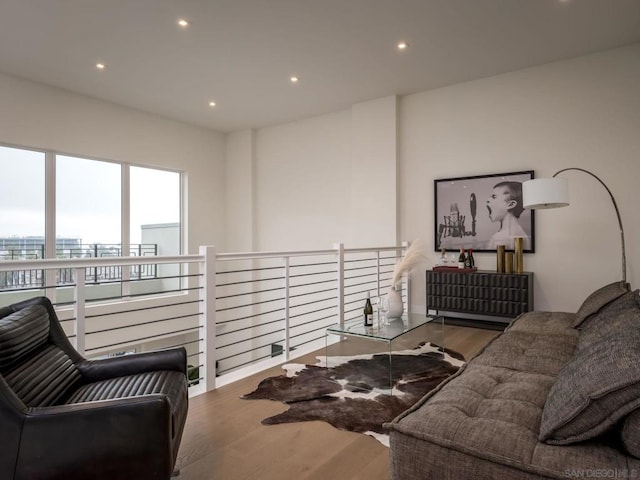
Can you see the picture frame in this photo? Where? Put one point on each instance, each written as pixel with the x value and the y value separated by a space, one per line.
pixel 481 212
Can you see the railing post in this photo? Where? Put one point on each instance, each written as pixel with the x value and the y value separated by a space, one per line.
pixel 340 269
pixel 208 315
pixel 79 309
pixel 405 246
pixel 379 293
pixel 287 344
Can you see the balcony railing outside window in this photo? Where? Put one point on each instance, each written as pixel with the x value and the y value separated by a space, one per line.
pixel 34 278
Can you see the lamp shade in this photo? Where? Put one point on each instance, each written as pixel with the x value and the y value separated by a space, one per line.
pixel 545 193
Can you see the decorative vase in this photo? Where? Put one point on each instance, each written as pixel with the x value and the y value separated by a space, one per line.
pixel 518 255
pixel 394 304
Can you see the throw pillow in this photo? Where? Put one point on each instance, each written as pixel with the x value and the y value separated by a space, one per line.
pixel 630 433
pixel 596 388
pixel 598 299
pixel 612 316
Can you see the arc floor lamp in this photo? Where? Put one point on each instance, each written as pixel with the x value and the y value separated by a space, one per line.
pixel 554 192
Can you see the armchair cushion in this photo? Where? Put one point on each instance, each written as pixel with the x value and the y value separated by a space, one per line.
pixel 44 378
pixel 172 384
pixel 21 333
pixel 96 370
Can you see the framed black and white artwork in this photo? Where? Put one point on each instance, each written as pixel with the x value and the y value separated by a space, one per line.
pixel 482 212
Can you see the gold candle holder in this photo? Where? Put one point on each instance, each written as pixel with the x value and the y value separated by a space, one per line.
pixel 500 258
pixel 508 262
pixel 519 255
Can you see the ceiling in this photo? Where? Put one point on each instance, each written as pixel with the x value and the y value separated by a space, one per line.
pixel 242 53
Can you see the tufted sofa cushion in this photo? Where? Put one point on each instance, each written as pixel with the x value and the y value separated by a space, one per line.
pixel 544 323
pixel 541 342
pixel 527 352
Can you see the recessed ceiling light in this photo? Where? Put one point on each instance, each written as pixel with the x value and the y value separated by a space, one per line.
pixel 212 104
pixel 100 66
pixel 294 79
pixel 184 23
pixel 402 45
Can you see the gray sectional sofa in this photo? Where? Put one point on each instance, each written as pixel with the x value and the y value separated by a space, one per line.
pixel 556 395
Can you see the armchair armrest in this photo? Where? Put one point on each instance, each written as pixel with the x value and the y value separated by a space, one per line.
pixel 97 370
pixel 123 438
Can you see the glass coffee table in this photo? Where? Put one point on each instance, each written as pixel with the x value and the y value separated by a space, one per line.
pixel 352 339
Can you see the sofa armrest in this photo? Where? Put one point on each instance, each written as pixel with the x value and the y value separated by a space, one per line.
pixel 123 438
pixel 97 370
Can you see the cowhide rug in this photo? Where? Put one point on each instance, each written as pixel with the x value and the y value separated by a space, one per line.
pixel 353 392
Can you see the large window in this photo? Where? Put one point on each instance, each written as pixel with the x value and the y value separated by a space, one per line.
pixel 155 209
pixel 88 200
pixel 90 210
pixel 155 226
pixel 22 214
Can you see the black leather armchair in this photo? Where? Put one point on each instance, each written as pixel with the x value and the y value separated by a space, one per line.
pixel 65 417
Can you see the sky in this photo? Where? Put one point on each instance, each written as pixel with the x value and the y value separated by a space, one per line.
pixel 87 197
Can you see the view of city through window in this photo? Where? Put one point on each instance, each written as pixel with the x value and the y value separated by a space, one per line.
pixel 88 212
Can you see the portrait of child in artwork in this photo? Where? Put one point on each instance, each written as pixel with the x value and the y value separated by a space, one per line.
pixel 505 207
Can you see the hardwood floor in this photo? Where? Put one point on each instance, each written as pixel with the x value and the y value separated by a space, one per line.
pixel 224 439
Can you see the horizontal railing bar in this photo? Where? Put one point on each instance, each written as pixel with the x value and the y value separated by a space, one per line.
pixel 248 316
pixel 309 331
pixel 242 282
pixel 333 280
pixel 50 263
pixel 146 294
pixel 300 253
pixel 142 338
pixel 248 270
pixel 249 340
pixel 314 301
pixel 253 292
pixel 311 274
pixel 250 304
pixel 169 347
pixel 142 309
pixel 310 312
pixel 299 265
pixel 22 289
pixel 310 322
pixel 150 322
pixel 245 363
pixel 247 328
pixel 304 343
pixel 249 351
pixel 315 292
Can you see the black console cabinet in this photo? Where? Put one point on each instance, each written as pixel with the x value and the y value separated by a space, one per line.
pixel 486 293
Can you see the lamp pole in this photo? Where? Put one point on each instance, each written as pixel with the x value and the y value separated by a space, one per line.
pixel 615 206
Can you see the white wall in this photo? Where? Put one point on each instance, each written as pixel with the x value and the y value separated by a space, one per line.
pixel 34 115
pixel 240 188
pixel 374 210
pixel 303 183
pixel 579 113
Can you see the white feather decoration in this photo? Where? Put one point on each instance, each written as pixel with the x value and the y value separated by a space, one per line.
pixel 413 256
